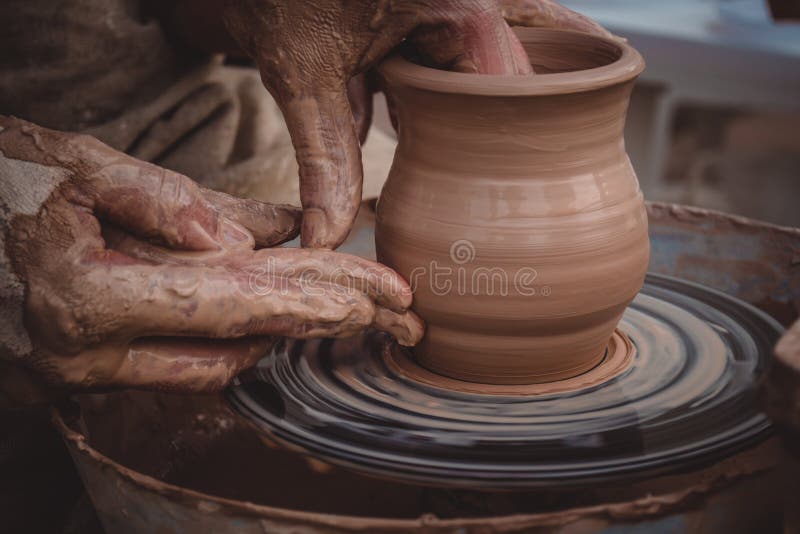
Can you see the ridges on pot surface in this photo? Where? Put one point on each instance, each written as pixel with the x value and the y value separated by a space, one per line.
pixel 513 210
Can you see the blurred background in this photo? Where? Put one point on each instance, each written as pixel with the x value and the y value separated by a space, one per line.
pixel 715 118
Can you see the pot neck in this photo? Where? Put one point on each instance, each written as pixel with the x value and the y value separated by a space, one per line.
pixel 520 135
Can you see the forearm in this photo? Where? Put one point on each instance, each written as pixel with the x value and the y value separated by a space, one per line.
pixel 24 187
pixel 15 344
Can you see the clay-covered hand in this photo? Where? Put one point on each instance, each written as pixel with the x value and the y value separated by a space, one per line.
pixel 548 14
pixel 308 51
pixel 102 306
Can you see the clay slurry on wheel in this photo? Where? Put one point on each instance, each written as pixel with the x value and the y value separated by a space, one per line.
pixel 685 398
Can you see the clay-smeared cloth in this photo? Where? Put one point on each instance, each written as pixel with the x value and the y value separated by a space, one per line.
pixel 103 67
pixel 107 68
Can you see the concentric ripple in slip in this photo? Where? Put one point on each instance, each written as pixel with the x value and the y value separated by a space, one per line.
pixel 675 390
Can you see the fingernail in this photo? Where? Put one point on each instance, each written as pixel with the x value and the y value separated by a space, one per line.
pixel 197 238
pixel 235 234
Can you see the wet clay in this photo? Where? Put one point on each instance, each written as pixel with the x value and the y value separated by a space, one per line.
pixel 513 210
pixel 683 397
pixel 616 360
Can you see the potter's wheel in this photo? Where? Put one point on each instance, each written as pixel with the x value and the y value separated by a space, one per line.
pixel 674 391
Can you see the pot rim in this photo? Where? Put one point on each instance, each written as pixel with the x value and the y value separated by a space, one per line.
pixel 400 71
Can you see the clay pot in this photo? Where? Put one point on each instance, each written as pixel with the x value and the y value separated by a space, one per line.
pixel 513 209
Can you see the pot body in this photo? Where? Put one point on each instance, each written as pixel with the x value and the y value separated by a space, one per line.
pixel 519 222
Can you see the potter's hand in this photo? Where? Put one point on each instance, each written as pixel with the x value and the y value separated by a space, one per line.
pixel 548 14
pixel 308 51
pixel 90 310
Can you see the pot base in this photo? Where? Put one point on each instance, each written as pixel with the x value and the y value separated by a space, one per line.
pixel 516 379
pixel 615 360
pixel 682 400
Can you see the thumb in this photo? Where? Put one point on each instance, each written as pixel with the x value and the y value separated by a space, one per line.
pixel 270 224
pixel 147 200
pixel 188 365
pixel 162 205
pixel 326 143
